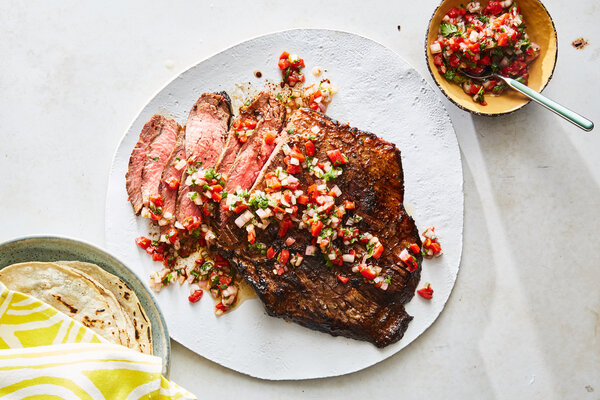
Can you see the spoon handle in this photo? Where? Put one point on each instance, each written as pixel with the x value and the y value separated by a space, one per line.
pixel 564 112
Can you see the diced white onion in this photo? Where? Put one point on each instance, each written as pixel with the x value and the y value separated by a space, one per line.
pixel 294 161
pixel 180 165
pixel 315 129
pixel 435 48
pixel 178 225
pixel 349 258
pixel 243 219
pixel 290 241
pixel 337 191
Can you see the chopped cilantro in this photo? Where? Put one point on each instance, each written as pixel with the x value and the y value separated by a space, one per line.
pixel 483 18
pixel 290 131
pixel 260 201
pixel 155 158
pixel 191 170
pixel 448 30
pixel 333 173
pixel 450 74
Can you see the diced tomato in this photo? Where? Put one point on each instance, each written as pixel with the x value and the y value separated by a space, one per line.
pixel 485 60
pixel 367 272
pixel 316 227
pixel 192 222
pixel 280 271
pixel 240 208
pixel 225 279
pixel 436 247
pixel 415 248
pixel 310 148
pixel 206 210
pixel 349 205
pixel 293 169
pixel 426 292
pixel 222 307
pixel 216 188
pixel 157 256
pixel 475 47
pixel 284 256
pixel 283 63
pixel 172 182
pixel 438 59
pixel 143 242
pixel 297 154
pixel 249 124
pixel 343 279
pixel 217 196
pixel 172 235
pixel 269 137
pixel 271 253
pixel 293 185
pixel 493 8
pixel 453 12
pixel 503 40
pixel 251 237
pixel 454 60
pixel 285 224
pixel 156 200
pixel 336 157
pixel 154 216
pixel 474 89
pixel 243 138
pixel 150 249
pixel 302 199
pixel 237 124
pixel 197 295
pixel 285 55
pixel 273 183
pixel 314 106
pixel 378 250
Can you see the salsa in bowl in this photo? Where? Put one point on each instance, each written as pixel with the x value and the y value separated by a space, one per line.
pixel 512 38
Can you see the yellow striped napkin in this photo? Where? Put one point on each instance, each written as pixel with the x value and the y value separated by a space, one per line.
pixel 45 354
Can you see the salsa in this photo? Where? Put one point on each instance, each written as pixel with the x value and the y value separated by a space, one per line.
pixel 480 40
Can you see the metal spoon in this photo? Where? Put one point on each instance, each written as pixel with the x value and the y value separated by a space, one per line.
pixel 564 112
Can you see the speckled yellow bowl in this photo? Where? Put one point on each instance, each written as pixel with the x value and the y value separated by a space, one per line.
pixel 540 29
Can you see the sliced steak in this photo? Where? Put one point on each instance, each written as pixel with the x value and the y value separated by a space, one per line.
pixel 311 293
pixel 171 177
pixel 232 147
pixel 139 156
pixel 156 157
pixel 205 134
pixel 269 115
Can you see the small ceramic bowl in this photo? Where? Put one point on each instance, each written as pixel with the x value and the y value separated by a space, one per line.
pixel 540 29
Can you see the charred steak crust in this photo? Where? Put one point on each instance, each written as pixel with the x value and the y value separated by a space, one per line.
pixel 310 294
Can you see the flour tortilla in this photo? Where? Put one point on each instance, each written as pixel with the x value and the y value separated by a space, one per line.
pixel 67 291
pixel 142 330
pixel 124 324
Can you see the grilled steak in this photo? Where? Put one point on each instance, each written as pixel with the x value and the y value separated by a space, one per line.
pixel 205 135
pixel 171 175
pixel 311 292
pixel 269 114
pixel 143 174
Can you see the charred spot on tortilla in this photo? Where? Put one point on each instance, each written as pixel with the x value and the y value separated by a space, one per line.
pixel 148 333
pixel 137 334
pixel 126 295
pixel 69 306
pixel 100 311
pixel 142 312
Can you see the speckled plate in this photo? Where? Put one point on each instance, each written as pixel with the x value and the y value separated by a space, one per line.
pixel 540 29
pixel 378 92
pixel 47 248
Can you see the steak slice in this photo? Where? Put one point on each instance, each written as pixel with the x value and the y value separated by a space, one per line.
pixel 310 292
pixel 157 154
pixel 205 134
pixel 269 115
pixel 137 160
pixel 173 170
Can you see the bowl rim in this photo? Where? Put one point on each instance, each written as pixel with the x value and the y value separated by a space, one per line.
pixel 167 362
pixel 479 112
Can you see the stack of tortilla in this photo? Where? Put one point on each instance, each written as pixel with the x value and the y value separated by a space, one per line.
pixel 88 294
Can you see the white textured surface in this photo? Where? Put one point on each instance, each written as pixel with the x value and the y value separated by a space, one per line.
pixel 523 321
pixel 372 97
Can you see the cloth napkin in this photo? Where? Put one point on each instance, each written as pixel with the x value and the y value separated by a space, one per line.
pixel 45 354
